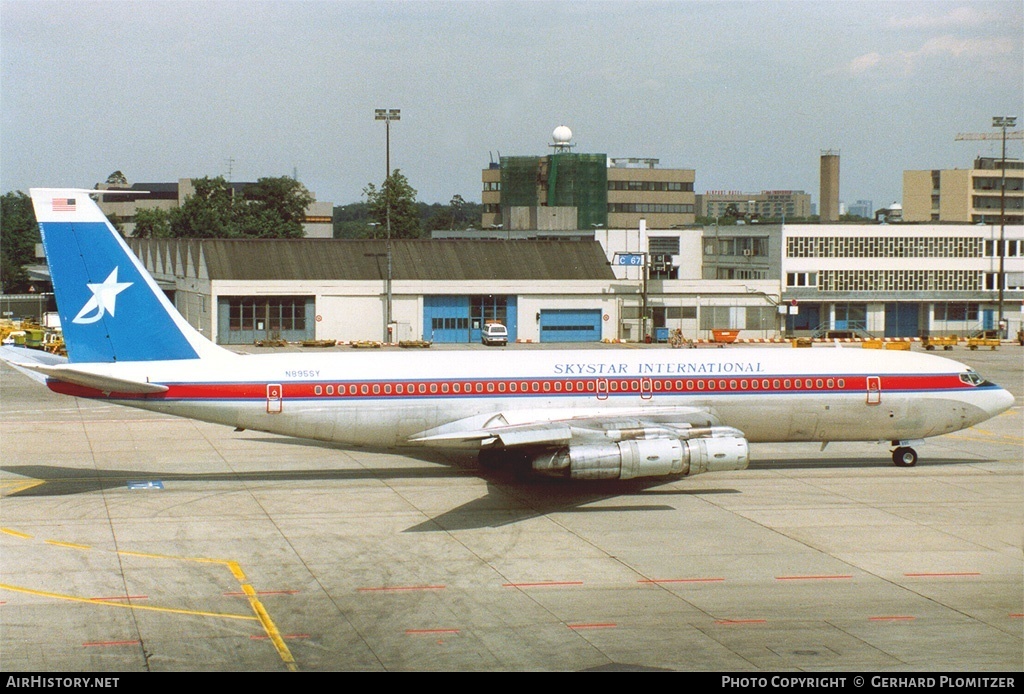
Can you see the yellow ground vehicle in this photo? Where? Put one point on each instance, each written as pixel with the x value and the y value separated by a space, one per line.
pixel 26 334
pixel 945 342
pixel 986 338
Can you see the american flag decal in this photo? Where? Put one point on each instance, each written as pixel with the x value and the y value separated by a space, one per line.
pixel 63 204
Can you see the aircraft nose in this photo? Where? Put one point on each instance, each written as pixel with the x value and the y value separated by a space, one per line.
pixel 998 402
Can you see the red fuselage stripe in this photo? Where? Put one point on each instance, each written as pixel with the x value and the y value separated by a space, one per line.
pixel 597 387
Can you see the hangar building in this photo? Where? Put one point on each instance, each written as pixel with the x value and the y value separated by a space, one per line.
pixel 238 291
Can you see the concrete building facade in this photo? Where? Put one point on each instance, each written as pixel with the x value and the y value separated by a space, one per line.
pixel 567 190
pixel 766 204
pixel 901 280
pixel 828 198
pixel 971 196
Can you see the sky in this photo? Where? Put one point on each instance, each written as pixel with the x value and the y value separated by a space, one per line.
pixel 748 94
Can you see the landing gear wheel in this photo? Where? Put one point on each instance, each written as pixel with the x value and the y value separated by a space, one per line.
pixel 904 456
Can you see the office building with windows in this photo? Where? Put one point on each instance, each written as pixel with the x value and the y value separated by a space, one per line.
pixel 901 280
pixel 567 190
pixel 767 204
pixel 972 195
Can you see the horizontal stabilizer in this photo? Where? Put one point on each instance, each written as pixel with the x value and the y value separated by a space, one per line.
pixel 106 384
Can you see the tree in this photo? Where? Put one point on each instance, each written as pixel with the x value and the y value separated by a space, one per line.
pixel 275 208
pixel 352 221
pixel 117 179
pixel 152 223
pixel 269 208
pixel 442 219
pixel 207 213
pixel 19 234
pixel 458 209
pixel 397 199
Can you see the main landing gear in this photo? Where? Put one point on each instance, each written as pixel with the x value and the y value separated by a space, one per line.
pixel 904 456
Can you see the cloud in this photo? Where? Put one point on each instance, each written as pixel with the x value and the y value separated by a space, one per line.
pixel 864 63
pixel 960 17
pixel 964 47
pixel 906 63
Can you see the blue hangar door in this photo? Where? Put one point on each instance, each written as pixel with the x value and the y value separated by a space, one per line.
pixel 446 318
pixel 570 325
pixel 462 318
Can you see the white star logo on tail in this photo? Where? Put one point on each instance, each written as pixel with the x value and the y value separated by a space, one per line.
pixel 103 299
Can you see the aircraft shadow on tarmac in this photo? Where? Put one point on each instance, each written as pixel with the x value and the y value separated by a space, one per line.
pixel 510 497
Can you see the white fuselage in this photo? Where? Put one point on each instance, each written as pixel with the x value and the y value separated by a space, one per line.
pixel 387 398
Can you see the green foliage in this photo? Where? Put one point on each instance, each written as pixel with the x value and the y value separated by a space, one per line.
pixel 207 213
pixel 19 234
pixel 353 221
pixel 276 208
pixel 395 205
pixel 152 223
pixel 269 208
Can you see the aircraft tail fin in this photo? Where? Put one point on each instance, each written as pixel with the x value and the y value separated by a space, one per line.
pixel 110 307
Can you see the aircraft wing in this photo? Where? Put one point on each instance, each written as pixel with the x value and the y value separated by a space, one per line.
pixel 560 427
pixel 40 366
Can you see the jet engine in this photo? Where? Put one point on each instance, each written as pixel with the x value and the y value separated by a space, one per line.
pixel 644 458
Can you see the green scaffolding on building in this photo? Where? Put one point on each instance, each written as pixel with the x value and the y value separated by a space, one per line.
pixel 559 180
pixel 580 181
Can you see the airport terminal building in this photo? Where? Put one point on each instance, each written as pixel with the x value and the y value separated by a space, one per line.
pixel 764 281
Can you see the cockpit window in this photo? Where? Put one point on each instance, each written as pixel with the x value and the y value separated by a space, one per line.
pixel 971 378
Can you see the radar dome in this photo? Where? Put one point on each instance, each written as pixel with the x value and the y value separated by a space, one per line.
pixel 562 135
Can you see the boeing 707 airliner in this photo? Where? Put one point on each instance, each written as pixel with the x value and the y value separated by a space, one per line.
pixel 582 414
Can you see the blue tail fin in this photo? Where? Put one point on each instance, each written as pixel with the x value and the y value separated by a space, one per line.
pixel 111 309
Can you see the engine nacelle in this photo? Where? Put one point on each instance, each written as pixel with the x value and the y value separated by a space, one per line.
pixel 645 458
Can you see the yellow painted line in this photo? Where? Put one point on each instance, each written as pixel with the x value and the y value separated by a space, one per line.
pixel 269 627
pixel 262 616
pixel 72 545
pixel 104 603
pixel 8 488
pixel 15 533
pixel 236 570
pixel 149 555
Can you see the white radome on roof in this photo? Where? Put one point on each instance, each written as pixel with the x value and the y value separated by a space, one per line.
pixel 562 135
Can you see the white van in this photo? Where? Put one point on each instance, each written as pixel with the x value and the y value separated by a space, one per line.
pixel 494 334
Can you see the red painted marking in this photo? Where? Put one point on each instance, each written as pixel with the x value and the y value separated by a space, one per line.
pixel 811 578
pixel 680 580
pixel 121 597
pixel 730 622
pixel 396 589
pixel 544 584
pixel 681 384
pixel 595 625
pixel 420 632
pixel 1016 615
pixel 93 644
pixel 892 618
pixel 940 575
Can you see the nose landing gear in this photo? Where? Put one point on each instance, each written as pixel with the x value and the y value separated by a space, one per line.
pixel 904 456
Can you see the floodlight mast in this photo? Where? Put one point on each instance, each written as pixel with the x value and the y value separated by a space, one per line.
pixel 387 115
pixel 1002 122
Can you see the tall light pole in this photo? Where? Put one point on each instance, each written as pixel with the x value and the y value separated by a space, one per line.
pixel 387 115
pixel 1003 122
